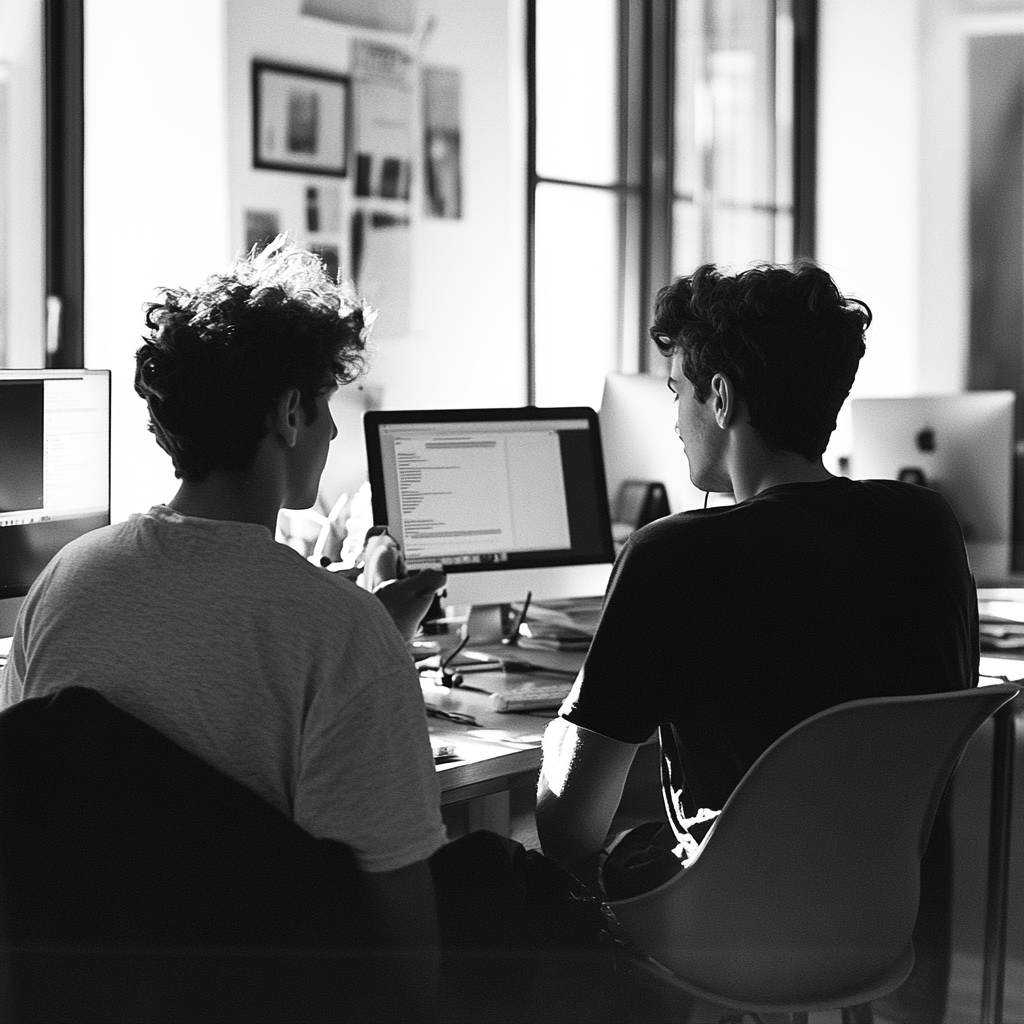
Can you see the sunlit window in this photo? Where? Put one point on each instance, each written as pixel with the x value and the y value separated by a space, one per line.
pixel 666 134
pixel 576 263
pixel 733 138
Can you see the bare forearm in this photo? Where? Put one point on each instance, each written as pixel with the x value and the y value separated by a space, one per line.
pixel 579 791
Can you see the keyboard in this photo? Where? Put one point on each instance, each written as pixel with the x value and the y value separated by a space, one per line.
pixel 532 697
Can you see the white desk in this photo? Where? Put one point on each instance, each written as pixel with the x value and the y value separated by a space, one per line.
pixel 500 747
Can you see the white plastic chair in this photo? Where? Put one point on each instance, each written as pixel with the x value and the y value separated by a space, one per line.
pixel 804 894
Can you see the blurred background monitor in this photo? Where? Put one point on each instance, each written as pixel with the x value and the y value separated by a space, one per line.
pixel 638 419
pixel 54 471
pixel 963 446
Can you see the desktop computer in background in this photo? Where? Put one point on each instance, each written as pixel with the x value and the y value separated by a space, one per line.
pixel 506 501
pixel 638 419
pixel 54 471
pixel 962 445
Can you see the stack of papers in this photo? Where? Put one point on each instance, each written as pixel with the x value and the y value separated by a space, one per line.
pixel 559 626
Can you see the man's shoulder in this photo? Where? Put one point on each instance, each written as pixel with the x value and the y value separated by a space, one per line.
pixel 693 523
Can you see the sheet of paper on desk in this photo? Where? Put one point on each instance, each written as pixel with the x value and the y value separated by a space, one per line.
pixel 1001 611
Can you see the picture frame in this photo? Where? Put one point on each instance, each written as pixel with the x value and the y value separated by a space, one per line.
pixel 300 120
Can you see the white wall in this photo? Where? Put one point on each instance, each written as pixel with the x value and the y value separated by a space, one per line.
pixel 466 340
pixel 868 171
pixel 168 176
pixel 893 186
pixel 156 196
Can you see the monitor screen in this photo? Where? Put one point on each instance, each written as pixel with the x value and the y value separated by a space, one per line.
pixel 54 466
pixel 962 445
pixel 505 500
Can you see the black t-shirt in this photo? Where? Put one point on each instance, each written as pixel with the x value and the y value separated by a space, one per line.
pixel 727 626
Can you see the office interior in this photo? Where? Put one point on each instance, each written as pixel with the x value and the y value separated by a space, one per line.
pixel 917 106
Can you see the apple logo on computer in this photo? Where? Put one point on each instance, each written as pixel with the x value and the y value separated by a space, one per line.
pixel 925 439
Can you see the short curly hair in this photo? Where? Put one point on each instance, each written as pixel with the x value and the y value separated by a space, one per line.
pixel 214 360
pixel 786 337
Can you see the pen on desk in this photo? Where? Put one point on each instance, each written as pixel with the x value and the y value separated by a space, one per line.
pixel 513 634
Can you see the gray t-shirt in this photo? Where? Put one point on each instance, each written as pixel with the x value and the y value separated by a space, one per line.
pixel 287 678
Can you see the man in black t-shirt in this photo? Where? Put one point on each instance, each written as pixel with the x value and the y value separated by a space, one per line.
pixel 723 628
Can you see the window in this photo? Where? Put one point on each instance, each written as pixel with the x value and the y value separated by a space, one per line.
pixel 41 218
pixel 664 134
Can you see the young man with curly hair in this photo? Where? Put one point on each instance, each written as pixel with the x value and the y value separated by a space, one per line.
pixel 724 627
pixel 287 678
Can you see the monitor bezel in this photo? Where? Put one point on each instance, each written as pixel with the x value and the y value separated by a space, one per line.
pixel 374 419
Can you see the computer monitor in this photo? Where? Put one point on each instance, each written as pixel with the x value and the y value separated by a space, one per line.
pixel 962 445
pixel 54 470
pixel 507 501
pixel 638 435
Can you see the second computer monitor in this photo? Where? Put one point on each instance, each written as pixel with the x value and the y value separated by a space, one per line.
pixel 638 418
pixel 962 445
pixel 505 500
pixel 54 471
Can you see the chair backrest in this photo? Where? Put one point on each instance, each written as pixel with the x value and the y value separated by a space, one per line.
pixel 808 884
pixel 128 864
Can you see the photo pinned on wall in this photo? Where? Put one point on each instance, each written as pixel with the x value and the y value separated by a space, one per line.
pixel 323 209
pixel 442 142
pixel 300 119
pixel 383 120
pixel 261 228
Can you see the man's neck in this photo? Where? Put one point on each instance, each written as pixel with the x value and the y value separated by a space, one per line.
pixel 770 468
pixel 228 496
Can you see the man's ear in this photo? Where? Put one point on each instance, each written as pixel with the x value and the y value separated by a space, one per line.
pixel 284 416
pixel 724 400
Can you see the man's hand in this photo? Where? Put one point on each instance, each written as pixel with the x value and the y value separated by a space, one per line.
pixel 407 598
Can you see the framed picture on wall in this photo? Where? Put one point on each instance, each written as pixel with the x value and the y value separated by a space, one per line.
pixel 300 119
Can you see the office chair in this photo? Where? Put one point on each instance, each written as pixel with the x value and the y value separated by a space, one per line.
pixel 804 894
pixel 137 883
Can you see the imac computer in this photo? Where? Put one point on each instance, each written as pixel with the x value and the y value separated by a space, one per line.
pixel 54 471
pixel 962 445
pixel 638 420
pixel 638 432
pixel 506 501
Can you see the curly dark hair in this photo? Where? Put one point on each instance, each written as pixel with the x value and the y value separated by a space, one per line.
pixel 214 360
pixel 786 337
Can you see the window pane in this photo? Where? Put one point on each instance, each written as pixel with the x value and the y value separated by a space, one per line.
pixel 783 238
pixel 577 98
pixel 731 237
pixel 785 101
pixel 740 237
pixel 577 293
pixel 688 241
pixel 725 100
pixel 22 179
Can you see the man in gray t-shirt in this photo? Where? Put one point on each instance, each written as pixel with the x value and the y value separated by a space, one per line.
pixel 289 679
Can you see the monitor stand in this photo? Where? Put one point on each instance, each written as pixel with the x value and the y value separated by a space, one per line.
pixel 489 623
